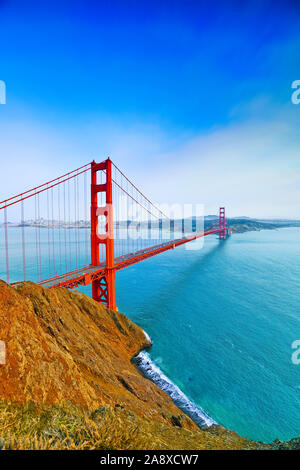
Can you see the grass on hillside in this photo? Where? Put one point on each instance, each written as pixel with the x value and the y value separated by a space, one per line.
pixel 68 426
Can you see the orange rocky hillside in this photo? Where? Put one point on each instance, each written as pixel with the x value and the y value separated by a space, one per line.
pixel 68 381
pixel 63 346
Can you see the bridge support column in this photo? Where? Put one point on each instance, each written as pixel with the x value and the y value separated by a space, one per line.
pixel 103 289
pixel 222 224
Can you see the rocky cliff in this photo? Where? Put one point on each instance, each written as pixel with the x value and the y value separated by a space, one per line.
pixel 68 366
pixel 61 345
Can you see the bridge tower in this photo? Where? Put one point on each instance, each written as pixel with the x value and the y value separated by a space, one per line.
pixel 222 224
pixel 103 289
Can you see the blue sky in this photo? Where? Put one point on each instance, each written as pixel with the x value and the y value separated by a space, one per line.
pixel 189 95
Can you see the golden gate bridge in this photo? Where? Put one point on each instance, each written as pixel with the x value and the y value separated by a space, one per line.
pixel 111 208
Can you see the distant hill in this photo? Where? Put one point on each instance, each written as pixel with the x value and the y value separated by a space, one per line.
pixel 237 224
pixel 246 224
pixel 241 225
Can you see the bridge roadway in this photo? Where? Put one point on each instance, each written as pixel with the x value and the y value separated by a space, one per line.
pixel 87 274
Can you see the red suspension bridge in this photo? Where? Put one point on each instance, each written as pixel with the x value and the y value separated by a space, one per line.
pixel 84 239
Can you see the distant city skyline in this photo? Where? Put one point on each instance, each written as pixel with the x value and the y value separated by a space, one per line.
pixel 194 105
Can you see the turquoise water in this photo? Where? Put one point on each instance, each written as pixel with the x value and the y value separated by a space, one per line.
pixel 222 320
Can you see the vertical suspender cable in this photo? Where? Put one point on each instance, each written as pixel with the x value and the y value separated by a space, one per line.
pixel 128 223
pixel 78 218
pixel 75 227
pixel 65 234
pixel 69 232
pixel 85 220
pixel 122 227
pixel 6 245
pixel 39 237
pixel 118 217
pixel 48 233
pixel 23 240
pixel 59 227
pixel 115 215
pixel 53 247
pixel 36 237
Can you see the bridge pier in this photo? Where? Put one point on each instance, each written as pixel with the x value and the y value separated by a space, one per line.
pixel 103 290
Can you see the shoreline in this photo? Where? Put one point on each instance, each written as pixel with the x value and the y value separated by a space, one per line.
pixel 151 371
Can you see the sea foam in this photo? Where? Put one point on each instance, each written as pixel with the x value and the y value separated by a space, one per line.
pixel 152 372
pixel 147 336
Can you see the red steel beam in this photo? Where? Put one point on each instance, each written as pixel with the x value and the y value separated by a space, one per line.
pixel 156 250
pixel 88 274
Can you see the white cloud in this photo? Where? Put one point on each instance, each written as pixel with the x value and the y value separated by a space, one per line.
pixel 251 167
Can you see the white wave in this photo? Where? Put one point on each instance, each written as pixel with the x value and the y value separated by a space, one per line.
pixel 154 373
pixel 147 336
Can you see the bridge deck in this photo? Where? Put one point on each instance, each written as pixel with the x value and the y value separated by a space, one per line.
pixel 87 274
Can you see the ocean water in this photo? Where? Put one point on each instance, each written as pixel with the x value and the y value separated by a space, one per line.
pixel 222 320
